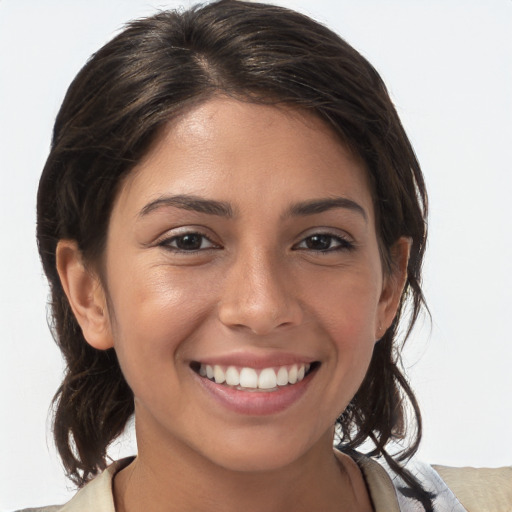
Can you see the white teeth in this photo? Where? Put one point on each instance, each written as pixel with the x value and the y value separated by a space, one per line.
pixel 248 378
pixel 292 374
pixel 218 374
pixel 232 376
pixel 282 376
pixel 268 378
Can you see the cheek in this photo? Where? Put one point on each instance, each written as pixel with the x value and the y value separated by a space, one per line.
pixel 347 305
pixel 348 320
pixel 153 312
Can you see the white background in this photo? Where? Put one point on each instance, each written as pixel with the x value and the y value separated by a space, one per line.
pixel 448 65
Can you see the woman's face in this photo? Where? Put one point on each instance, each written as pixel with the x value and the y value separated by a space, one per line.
pixel 244 246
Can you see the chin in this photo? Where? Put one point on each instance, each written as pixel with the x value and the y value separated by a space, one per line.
pixel 259 452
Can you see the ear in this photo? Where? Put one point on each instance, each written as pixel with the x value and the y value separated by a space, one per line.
pixel 393 285
pixel 85 295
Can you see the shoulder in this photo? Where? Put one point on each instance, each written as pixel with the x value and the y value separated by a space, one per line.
pixel 480 489
pixel 51 508
pixel 453 489
pixel 94 496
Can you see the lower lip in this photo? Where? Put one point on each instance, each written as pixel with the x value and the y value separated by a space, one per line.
pixel 256 403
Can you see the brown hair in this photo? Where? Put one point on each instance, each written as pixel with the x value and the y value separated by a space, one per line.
pixel 156 69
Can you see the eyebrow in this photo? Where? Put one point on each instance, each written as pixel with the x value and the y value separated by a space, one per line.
pixel 223 209
pixel 322 205
pixel 190 202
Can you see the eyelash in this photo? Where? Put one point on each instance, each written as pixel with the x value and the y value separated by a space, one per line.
pixel 166 243
pixel 342 243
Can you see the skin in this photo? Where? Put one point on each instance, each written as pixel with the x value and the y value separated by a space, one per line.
pixel 256 283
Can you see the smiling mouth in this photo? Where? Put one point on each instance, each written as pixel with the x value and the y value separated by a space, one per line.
pixel 252 379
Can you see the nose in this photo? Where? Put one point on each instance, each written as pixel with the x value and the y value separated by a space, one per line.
pixel 258 295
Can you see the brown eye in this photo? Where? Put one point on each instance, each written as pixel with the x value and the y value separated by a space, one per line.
pixel 191 242
pixel 188 242
pixel 324 242
pixel 319 242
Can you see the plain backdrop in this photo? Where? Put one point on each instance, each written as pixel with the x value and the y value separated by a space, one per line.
pixel 448 66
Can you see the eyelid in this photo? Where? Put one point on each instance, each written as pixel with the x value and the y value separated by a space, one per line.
pixel 346 242
pixel 168 237
pixel 167 243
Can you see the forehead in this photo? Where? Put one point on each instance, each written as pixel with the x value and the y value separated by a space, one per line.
pixel 247 154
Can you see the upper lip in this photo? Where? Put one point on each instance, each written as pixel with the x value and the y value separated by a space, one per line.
pixel 257 361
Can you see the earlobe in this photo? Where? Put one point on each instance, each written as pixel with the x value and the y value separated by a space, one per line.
pixel 85 295
pixel 393 285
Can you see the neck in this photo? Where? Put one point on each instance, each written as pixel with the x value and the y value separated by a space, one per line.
pixel 175 478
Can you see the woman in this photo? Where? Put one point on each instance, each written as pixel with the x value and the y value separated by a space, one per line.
pixel 232 220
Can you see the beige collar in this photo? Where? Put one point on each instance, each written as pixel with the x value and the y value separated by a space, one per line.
pixel 97 495
pixel 379 484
